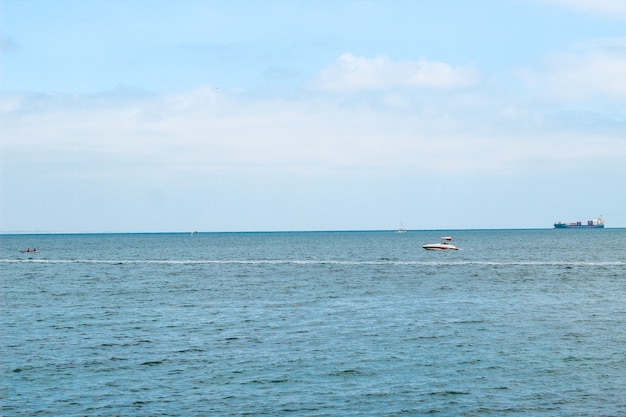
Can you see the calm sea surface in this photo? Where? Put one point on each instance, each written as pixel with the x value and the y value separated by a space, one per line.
pixel 519 322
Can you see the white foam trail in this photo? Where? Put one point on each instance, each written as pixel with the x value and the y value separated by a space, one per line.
pixel 308 262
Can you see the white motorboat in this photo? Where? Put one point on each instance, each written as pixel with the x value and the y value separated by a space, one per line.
pixel 445 244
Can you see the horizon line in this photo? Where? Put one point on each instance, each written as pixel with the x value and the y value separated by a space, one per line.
pixel 195 232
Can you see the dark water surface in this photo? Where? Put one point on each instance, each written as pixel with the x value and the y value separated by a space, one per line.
pixel 519 322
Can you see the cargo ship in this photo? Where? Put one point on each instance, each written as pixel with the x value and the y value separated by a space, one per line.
pixel 594 224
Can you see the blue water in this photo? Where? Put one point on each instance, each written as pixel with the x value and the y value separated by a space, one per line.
pixel 520 322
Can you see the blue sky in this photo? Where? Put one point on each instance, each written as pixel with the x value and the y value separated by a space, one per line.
pixel 311 115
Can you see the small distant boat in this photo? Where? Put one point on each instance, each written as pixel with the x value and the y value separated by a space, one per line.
pixel 401 229
pixel 445 244
pixel 591 224
pixel 29 250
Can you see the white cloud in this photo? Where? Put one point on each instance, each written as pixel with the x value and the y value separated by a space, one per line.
pixel 200 133
pixel 615 8
pixel 350 73
pixel 228 157
pixel 593 69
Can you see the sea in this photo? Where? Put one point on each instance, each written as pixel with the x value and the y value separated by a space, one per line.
pixel 516 323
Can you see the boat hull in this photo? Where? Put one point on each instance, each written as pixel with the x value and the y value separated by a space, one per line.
pixel 577 226
pixel 439 246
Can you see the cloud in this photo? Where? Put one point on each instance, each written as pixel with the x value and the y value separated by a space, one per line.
pixel 350 73
pixel 614 8
pixel 592 69
pixel 201 133
pixel 130 161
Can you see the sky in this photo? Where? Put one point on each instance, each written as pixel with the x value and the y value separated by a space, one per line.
pixel 279 115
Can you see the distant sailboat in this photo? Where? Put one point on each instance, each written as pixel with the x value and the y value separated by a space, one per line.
pixel 401 229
